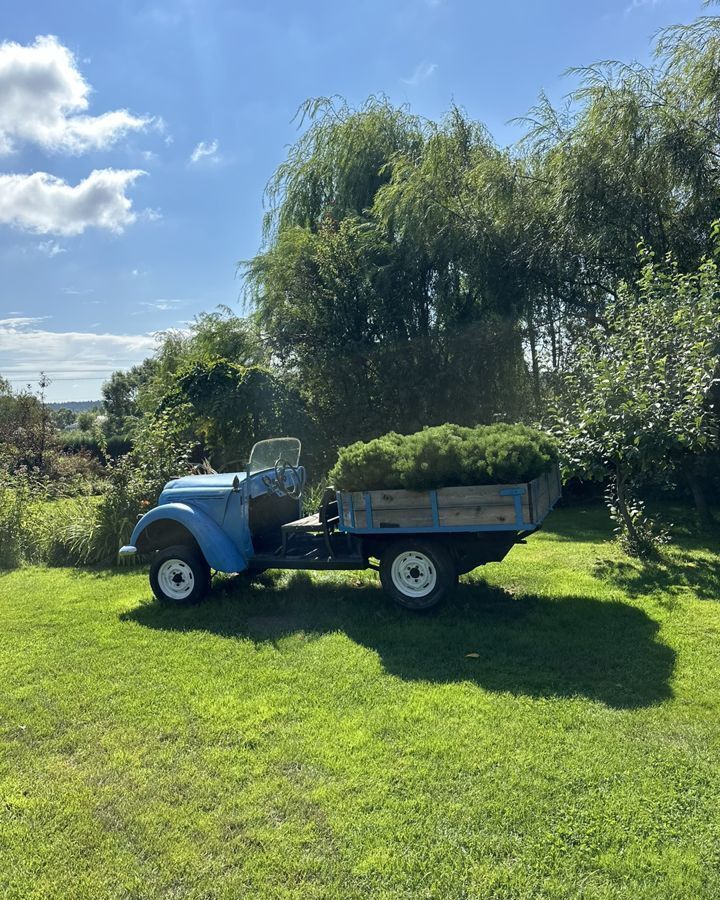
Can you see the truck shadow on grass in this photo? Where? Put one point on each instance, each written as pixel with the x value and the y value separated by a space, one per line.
pixel 526 646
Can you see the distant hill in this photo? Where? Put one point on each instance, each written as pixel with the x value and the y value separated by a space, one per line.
pixel 77 406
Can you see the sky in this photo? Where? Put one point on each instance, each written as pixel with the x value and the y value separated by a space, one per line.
pixel 136 140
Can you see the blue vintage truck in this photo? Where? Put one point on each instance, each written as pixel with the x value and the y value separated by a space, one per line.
pixel 420 541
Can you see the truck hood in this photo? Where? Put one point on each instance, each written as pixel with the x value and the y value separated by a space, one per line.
pixel 199 484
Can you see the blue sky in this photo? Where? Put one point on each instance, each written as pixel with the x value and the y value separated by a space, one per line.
pixel 199 97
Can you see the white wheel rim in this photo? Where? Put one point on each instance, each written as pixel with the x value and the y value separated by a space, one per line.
pixel 413 574
pixel 176 579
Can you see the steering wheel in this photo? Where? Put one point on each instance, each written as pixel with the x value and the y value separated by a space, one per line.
pixel 281 481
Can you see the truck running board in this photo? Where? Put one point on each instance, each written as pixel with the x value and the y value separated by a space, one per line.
pixel 311 561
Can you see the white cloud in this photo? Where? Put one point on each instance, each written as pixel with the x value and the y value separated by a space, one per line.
pixel 43 204
pixel 638 4
pixel 43 99
pixel 205 150
pixel 163 304
pixel 16 322
pixel 51 248
pixel 85 357
pixel 421 73
pixel 150 215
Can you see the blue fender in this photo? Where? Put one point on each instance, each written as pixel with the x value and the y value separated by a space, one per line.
pixel 219 551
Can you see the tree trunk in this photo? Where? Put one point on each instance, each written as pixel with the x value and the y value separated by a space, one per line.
pixel 702 509
pixel 553 337
pixel 620 479
pixel 532 339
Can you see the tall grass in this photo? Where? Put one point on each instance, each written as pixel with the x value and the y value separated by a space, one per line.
pixel 38 527
pixel 13 536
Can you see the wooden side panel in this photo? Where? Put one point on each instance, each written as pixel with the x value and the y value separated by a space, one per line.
pixel 476 505
pixel 471 505
pixel 545 492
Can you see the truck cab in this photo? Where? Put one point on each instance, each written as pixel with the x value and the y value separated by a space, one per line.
pixel 237 521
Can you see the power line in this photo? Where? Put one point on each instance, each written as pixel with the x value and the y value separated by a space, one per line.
pixel 60 378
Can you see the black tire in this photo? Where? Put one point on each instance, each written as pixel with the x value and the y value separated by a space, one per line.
pixel 190 573
pixel 417 574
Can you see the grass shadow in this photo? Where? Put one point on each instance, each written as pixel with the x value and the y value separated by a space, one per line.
pixel 587 523
pixel 669 575
pixel 526 646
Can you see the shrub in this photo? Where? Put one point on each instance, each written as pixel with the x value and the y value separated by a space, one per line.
pixel 134 484
pixel 443 456
pixel 78 441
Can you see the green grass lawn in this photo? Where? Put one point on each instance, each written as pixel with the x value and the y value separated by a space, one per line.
pixel 303 738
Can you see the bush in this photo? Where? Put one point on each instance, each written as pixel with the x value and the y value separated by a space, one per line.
pixel 444 456
pixel 78 441
pixel 134 484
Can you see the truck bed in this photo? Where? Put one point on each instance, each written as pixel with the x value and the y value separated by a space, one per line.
pixel 495 507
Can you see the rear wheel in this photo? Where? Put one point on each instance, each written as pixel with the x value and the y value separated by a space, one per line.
pixel 417 574
pixel 179 575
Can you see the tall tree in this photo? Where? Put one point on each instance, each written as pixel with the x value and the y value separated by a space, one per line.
pixel 384 311
pixel 633 158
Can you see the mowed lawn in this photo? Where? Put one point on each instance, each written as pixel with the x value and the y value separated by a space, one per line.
pixel 301 737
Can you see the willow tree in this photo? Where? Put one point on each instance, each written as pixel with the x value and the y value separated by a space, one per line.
pixel 633 158
pixel 386 316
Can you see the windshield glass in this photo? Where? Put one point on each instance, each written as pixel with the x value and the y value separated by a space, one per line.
pixel 265 454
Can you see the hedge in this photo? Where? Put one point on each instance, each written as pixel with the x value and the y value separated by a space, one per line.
pixel 444 456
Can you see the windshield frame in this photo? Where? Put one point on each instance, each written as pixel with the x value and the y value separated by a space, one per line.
pixel 288 450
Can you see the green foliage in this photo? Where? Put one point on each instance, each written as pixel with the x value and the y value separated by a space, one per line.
pixel 637 533
pixel 225 408
pixel 86 421
pixel 444 456
pixel 64 417
pixel 134 484
pixel 64 521
pixel 27 427
pixel 637 402
pixel 130 396
pixel 78 441
pixel 60 532
pixel 374 301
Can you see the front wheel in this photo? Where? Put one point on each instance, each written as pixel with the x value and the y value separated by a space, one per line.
pixel 416 574
pixel 179 575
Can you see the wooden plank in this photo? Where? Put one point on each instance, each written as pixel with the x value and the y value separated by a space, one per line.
pixel 556 492
pixel 308 522
pixel 466 495
pixel 543 498
pixel 393 499
pixel 487 496
pixel 421 518
pixel 478 515
pixel 459 515
pixel 473 494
